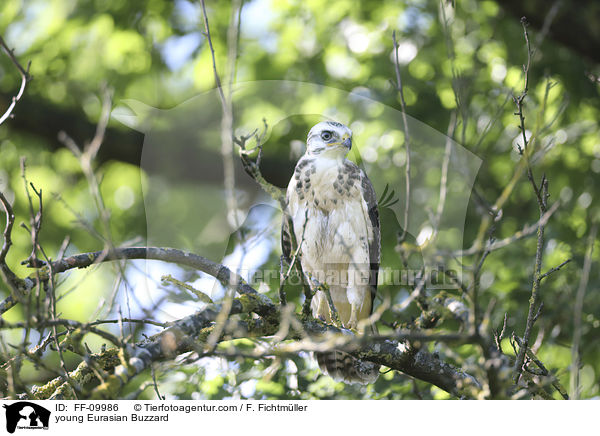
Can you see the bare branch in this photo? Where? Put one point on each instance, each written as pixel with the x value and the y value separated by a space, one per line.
pixel 498 336
pixel 35 219
pixel 92 148
pixel 527 230
pixel 578 310
pixel 523 151
pixel 82 327
pixel 553 270
pixel 25 78
pixel 377 349
pixel 182 335
pixel 201 295
pixel 10 220
pixel 6 273
pixel 541 194
pixel 212 53
pixel 534 305
pixel 223 274
pixel 294 261
pixel 543 370
pixel 444 177
pixel 400 90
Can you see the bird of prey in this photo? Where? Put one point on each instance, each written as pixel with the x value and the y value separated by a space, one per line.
pixel 333 209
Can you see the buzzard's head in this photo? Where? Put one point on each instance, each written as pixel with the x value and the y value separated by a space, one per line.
pixel 329 138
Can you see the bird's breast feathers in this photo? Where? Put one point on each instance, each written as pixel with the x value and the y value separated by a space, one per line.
pixel 328 209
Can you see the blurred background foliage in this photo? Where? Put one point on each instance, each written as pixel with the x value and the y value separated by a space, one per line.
pixel 463 61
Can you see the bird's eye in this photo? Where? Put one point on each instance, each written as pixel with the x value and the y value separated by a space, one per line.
pixel 326 135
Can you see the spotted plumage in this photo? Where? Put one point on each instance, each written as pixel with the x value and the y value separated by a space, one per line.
pixel 331 202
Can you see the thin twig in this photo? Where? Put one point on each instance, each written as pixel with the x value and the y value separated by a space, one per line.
pixel 10 220
pixel 8 276
pixel 69 323
pixel 523 151
pixel 500 335
pixel 212 52
pixel 155 383
pixel 444 177
pixel 578 310
pixel 534 307
pixel 293 262
pixel 400 90
pixel 131 320
pixel 527 230
pixel 550 16
pixel 201 295
pixel 25 78
pixel 541 194
pixel 227 141
pixel 35 220
pixel 252 167
pixel 553 270
pixel 94 146
pixel 543 370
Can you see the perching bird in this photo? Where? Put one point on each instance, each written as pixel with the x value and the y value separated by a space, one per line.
pixel 333 208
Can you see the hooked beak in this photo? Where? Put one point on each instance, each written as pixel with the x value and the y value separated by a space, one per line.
pixel 347 142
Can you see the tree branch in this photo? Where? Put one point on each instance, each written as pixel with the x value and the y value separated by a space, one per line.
pixel 223 274
pixel 25 78
pixel 8 276
pixel 578 311
pixel 541 194
pixel 400 90
pixel 185 334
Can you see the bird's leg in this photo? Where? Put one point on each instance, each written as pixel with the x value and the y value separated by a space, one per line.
pixel 353 321
pixel 356 297
pixel 354 292
pixel 333 313
pixel 323 308
pixel 320 303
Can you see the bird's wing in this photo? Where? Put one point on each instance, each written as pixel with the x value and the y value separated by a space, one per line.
pixel 370 198
pixel 291 204
pixel 286 241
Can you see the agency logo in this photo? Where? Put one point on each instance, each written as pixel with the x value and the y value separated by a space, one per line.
pixel 26 415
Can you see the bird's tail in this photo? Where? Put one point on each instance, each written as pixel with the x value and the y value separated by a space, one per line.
pixel 343 367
